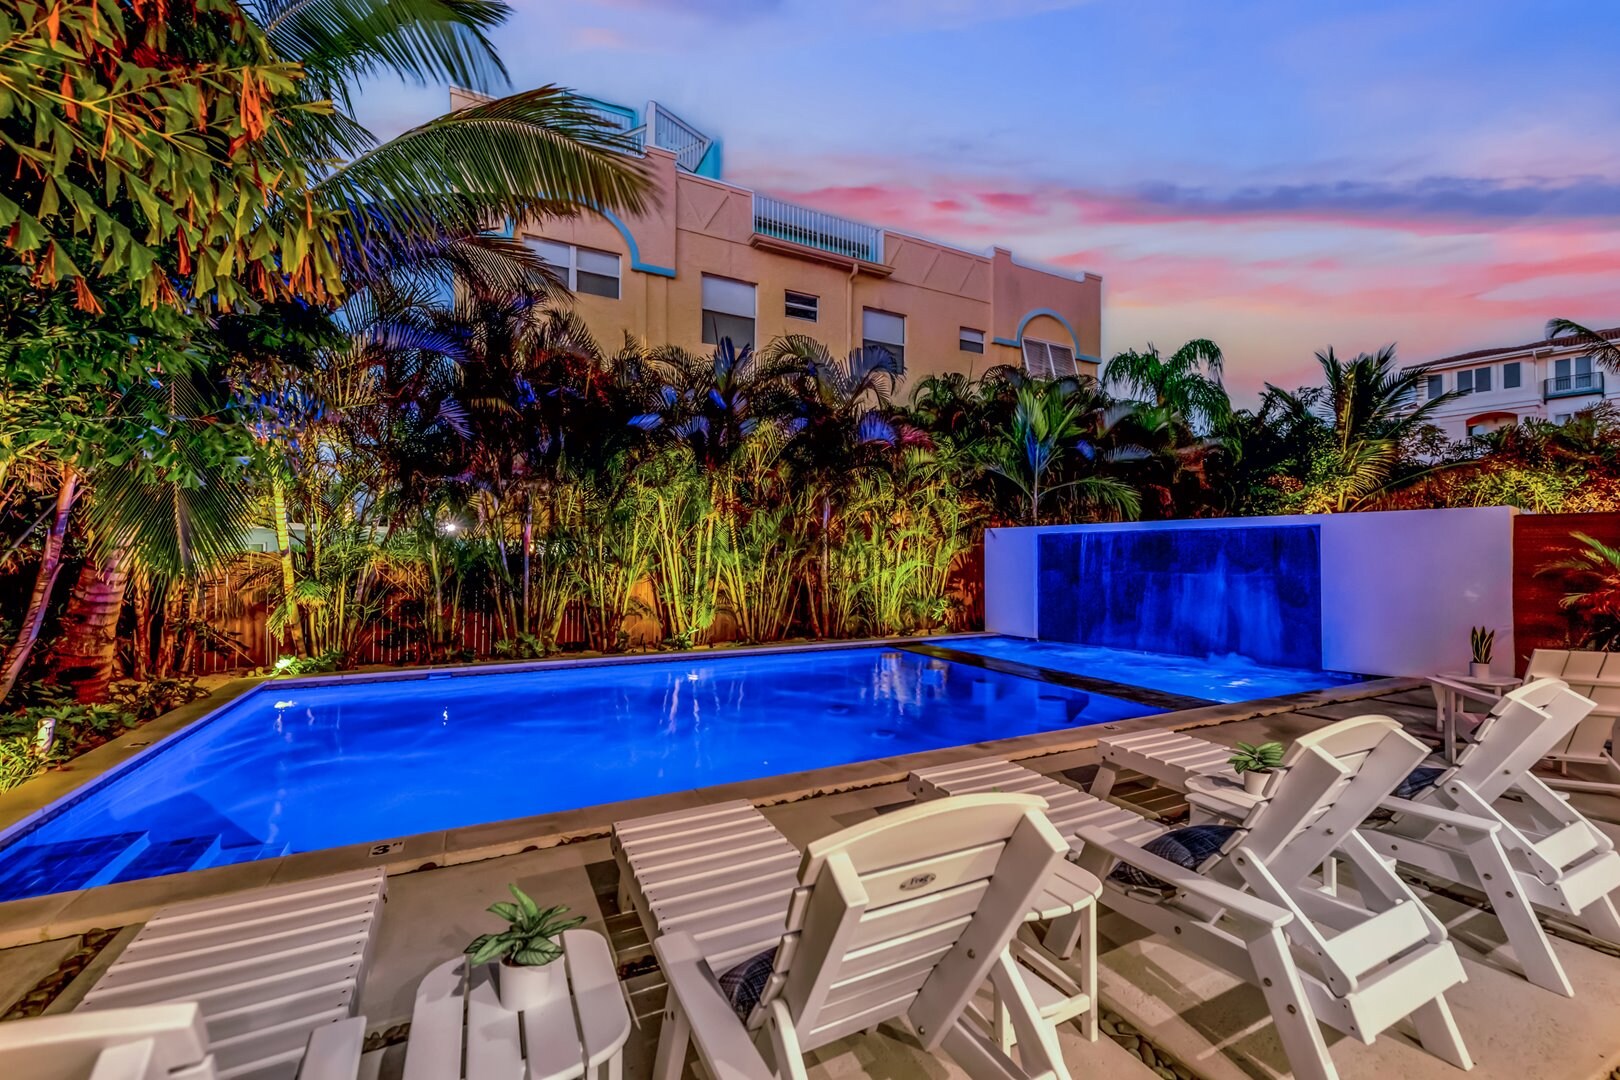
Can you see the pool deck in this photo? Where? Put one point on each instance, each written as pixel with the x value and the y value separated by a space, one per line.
pixel 1193 1021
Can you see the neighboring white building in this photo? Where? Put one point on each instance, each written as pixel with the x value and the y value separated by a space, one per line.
pixel 1548 379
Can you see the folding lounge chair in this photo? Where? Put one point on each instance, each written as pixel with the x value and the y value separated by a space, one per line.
pixel 1487 823
pixel 151 1042
pixel 1537 852
pixel 267 968
pixel 1355 962
pixel 899 918
pixel 1593 675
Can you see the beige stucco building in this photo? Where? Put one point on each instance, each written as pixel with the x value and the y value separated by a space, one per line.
pixel 710 259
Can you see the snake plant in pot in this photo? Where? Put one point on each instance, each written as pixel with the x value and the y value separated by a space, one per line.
pixel 527 949
pixel 1481 645
pixel 1255 764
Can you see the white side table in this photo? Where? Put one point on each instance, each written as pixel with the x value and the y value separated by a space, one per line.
pixel 1062 992
pixel 579 1032
pixel 1450 703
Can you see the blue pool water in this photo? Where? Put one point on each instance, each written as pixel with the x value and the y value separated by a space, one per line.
pixel 299 768
pixel 1217 678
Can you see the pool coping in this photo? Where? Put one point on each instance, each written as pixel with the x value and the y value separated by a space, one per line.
pixel 57 915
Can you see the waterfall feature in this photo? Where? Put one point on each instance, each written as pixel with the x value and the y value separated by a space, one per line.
pixel 1253 591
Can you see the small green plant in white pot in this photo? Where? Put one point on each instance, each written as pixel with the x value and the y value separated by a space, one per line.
pixel 527 949
pixel 1482 642
pixel 1255 764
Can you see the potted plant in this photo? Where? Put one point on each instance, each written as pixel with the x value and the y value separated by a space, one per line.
pixel 526 949
pixel 1255 764
pixel 1483 642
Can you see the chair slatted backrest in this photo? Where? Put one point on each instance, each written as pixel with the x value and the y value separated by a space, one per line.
pixel 1524 727
pixel 903 915
pixel 1332 779
pixel 1593 675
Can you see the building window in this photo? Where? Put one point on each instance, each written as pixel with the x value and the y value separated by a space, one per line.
pixel 1049 360
pixel 1510 375
pixel 971 340
pixel 1474 381
pixel 802 306
pixel 1572 375
pixel 1437 386
pixel 885 330
pixel 582 269
pixel 728 311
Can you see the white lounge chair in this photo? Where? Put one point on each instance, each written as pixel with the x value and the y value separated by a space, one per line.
pixel 151 1042
pixel 1487 823
pixel 1593 675
pixel 1357 963
pixel 900 918
pixel 266 967
pixel 1539 851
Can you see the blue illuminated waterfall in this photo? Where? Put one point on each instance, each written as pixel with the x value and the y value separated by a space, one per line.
pixel 1250 591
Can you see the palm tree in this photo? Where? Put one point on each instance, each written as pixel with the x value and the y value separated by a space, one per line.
pixel 1043 437
pixel 1363 414
pixel 1593 573
pixel 1605 348
pixel 1187 382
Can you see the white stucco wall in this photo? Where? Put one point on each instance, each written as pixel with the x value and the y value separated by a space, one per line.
pixel 1010 596
pixel 1400 589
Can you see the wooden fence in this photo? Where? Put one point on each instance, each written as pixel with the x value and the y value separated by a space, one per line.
pixel 1540 539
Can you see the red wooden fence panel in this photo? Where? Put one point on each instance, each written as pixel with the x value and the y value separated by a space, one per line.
pixel 1539 539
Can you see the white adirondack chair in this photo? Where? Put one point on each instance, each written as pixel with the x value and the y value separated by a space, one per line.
pixel 1518 841
pixel 1593 675
pixel 267 968
pixel 151 1042
pixel 1488 823
pixel 1357 963
pixel 900 918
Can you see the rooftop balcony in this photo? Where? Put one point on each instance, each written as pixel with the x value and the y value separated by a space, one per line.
pixel 815 229
pixel 1577 385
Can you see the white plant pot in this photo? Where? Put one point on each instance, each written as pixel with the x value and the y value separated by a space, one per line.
pixel 523 988
pixel 1254 782
pixel 1479 670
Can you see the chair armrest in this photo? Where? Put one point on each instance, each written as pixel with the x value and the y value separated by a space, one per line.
pixel 1238 903
pixel 334 1051
pixel 727 1050
pixel 1439 815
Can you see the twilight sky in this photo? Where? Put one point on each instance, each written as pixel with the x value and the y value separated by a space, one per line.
pixel 1274 174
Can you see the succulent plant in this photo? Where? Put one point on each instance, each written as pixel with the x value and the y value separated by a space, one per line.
pixel 1261 758
pixel 531 938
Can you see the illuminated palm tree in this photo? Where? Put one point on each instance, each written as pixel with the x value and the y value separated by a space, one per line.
pixel 1187 382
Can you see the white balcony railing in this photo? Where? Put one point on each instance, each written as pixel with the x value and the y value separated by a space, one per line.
pixel 813 228
pixel 670 132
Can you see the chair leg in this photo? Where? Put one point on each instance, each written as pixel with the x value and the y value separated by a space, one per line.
pixel 1301 1036
pixel 1088 973
pixel 673 1040
pixel 1437 1031
pixel 1524 931
pixel 1103 783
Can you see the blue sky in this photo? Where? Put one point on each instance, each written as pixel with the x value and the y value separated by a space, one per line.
pixel 1280 176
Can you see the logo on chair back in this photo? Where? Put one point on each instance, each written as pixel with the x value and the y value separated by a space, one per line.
pixel 917 881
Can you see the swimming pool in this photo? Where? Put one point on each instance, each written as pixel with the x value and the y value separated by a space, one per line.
pixel 1218 678
pixel 292 768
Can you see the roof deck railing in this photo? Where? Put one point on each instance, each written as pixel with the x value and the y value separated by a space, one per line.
pixel 670 132
pixel 817 229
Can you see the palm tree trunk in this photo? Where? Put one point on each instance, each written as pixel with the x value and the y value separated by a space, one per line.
pixel 528 544
pixel 141 650
pixel 84 656
pixel 50 564
pixel 278 511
